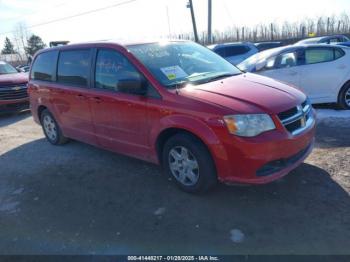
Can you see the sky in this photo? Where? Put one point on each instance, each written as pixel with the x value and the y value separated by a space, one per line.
pixel 140 19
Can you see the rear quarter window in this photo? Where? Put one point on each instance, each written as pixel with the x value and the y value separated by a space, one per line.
pixel 338 53
pixel 322 55
pixel 44 65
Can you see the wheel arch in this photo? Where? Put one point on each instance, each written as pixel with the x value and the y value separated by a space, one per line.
pixel 188 125
pixel 346 83
pixel 40 109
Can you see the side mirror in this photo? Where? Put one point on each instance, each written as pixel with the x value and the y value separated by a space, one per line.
pixel 133 86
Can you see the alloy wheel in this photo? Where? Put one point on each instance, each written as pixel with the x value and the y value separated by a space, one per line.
pixel 50 127
pixel 183 165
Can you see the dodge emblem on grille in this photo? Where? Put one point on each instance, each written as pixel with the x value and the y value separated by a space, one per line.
pixel 303 121
pixel 303 117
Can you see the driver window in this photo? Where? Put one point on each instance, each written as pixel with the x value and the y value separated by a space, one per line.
pixel 111 67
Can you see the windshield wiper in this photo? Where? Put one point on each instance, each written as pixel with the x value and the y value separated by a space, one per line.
pixel 218 77
pixel 178 84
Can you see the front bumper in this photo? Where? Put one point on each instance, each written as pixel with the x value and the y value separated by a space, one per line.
pixel 265 158
pixel 10 106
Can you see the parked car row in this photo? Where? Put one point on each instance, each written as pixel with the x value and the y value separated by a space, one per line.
pixel 321 71
pixel 237 52
pixel 315 65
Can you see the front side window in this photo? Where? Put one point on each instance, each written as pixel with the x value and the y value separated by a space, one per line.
pixel 178 63
pixel 320 55
pixel 286 60
pixel 73 67
pixel 44 66
pixel 261 60
pixel 112 67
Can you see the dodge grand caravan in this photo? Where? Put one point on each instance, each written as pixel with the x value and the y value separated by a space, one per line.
pixel 174 103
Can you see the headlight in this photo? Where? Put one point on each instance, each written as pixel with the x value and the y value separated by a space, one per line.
pixel 249 125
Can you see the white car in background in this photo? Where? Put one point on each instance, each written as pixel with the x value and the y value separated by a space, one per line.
pixel 321 71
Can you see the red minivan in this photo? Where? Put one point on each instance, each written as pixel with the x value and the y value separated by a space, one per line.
pixel 174 103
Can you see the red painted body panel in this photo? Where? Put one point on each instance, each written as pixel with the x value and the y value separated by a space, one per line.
pixel 131 124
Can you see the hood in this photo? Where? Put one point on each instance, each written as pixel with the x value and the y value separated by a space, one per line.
pixel 247 93
pixel 17 78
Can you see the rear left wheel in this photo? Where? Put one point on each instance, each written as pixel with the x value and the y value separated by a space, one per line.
pixel 51 129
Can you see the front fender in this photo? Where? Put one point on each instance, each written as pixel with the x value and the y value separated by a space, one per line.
pixel 192 125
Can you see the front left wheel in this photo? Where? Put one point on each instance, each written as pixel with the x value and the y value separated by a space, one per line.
pixel 51 129
pixel 188 161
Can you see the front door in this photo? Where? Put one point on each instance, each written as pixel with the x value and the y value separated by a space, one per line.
pixel 285 68
pixel 119 117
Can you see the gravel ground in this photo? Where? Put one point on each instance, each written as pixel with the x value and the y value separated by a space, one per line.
pixel 78 199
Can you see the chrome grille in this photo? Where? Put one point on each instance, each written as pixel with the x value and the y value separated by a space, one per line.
pixel 12 92
pixel 297 119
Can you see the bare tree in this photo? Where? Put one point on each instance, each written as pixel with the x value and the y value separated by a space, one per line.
pixel 287 32
pixel 20 37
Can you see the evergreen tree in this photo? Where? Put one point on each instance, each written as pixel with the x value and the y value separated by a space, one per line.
pixel 34 44
pixel 8 47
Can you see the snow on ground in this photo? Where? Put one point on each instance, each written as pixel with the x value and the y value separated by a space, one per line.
pixel 331 113
pixel 332 116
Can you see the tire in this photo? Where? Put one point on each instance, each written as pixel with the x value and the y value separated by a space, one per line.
pixel 187 160
pixel 344 97
pixel 51 129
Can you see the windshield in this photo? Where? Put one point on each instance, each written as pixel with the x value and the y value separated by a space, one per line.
pixel 178 63
pixel 6 69
pixel 249 64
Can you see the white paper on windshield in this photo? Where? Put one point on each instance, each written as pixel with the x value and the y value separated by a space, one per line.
pixel 173 72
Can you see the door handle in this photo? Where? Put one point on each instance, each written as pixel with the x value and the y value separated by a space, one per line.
pixel 96 99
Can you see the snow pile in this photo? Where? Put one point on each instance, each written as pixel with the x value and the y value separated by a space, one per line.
pixel 331 116
pixel 331 113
